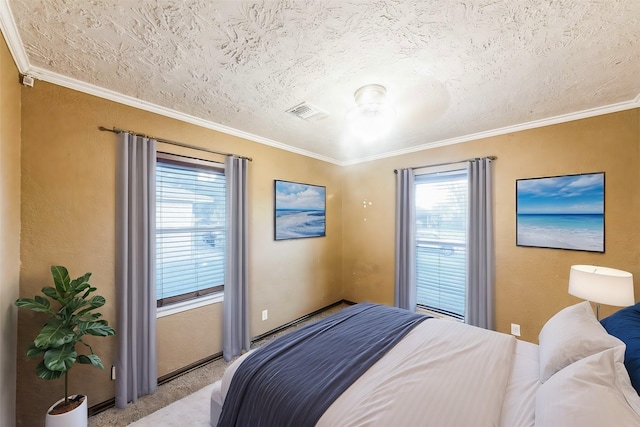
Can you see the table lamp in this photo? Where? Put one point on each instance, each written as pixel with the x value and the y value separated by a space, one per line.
pixel 601 285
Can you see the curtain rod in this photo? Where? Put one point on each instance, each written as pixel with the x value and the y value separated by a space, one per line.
pixel 167 141
pixel 450 163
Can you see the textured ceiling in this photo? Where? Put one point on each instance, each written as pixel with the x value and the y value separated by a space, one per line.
pixel 452 68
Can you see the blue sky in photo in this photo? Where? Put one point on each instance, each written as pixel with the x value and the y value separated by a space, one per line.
pixel 570 194
pixel 291 195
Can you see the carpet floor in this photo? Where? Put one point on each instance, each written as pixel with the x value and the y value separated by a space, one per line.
pixel 192 411
pixel 173 391
pixel 183 401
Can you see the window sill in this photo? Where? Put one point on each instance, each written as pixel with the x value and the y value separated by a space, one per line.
pixel 179 307
pixel 421 310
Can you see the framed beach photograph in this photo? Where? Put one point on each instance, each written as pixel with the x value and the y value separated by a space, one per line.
pixel 300 210
pixel 561 212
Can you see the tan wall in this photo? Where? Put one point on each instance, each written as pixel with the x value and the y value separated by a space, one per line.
pixel 68 203
pixel 9 229
pixel 531 283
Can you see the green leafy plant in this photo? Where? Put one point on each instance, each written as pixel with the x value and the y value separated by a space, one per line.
pixel 71 316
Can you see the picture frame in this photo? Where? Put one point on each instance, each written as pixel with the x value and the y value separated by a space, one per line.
pixel 561 212
pixel 299 210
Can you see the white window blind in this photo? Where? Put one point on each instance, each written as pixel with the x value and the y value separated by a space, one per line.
pixel 441 228
pixel 190 228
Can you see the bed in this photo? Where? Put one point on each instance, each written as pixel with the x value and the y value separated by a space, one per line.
pixel 443 373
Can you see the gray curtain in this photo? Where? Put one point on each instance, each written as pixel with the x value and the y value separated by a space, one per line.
pixel 235 337
pixel 480 251
pixel 136 364
pixel 405 250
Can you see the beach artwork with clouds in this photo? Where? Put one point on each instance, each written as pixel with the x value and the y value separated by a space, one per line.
pixel 561 212
pixel 300 210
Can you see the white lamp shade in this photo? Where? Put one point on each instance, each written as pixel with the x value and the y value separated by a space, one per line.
pixel 602 285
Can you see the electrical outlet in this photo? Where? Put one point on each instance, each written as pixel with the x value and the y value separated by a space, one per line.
pixel 515 329
pixel 113 373
pixel 265 314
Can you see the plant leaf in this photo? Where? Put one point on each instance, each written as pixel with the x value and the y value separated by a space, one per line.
pixel 89 317
pixel 81 283
pixel 88 291
pixel 50 292
pixel 99 328
pixel 95 302
pixel 34 351
pixel 39 304
pixel 47 374
pixel 61 279
pixel 54 334
pixel 61 358
pixel 72 305
pixel 91 359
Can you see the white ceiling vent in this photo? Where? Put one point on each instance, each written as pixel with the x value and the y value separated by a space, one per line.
pixel 307 111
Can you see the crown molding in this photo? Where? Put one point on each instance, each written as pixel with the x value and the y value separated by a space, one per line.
pixel 11 35
pixel 613 108
pixel 60 80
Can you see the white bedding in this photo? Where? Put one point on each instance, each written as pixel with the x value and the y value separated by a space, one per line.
pixel 518 409
pixel 443 372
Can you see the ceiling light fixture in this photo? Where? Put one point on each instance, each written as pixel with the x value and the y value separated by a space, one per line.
pixel 372 118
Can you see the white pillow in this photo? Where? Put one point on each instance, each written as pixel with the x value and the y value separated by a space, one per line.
pixel 570 335
pixel 594 391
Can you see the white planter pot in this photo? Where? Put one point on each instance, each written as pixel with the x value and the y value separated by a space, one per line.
pixel 75 418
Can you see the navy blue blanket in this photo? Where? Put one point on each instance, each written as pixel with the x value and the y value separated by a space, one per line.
pixel 294 379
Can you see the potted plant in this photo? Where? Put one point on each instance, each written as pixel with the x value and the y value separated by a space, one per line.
pixel 70 309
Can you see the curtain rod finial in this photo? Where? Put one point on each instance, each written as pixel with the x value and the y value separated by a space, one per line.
pixel 114 129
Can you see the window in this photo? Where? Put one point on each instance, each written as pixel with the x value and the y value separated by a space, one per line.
pixel 441 228
pixel 190 228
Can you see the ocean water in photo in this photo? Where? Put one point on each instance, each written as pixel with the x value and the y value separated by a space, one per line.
pixel 297 223
pixel 563 231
